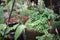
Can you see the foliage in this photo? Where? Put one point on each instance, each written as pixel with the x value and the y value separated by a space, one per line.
pixel 8 1
pixel 19 30
pixel 38 20
pixel 1 15
pixel 2 28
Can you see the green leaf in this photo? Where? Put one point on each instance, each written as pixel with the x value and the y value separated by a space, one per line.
pixel 1 15
pixel 2 28
pixel 19 31
pixel 10 5
pixel 8 1
pixel 11 28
